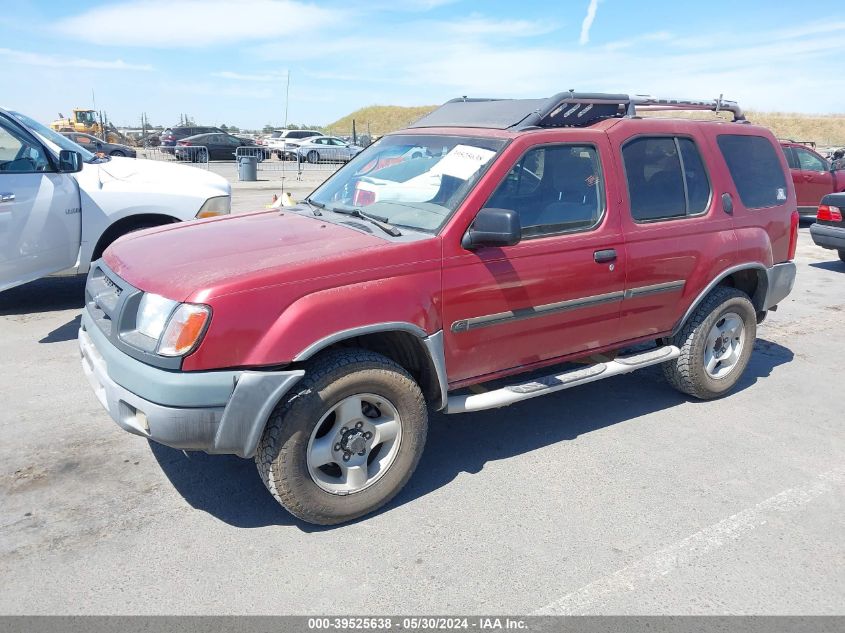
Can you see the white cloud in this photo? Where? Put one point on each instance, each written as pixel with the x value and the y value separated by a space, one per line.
pixel 479 26
pixel 164 23
pixel 58 61
pixel 587 24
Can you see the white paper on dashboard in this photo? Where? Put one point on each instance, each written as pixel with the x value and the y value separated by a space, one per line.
pixel 463 161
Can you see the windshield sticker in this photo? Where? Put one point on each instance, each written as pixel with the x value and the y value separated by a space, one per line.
pixel 463 161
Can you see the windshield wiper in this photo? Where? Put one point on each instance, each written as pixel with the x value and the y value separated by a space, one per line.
pixel 315 206
pixel 379 221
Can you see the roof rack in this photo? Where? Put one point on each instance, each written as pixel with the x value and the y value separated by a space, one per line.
pixel 807 143
pixel 565 109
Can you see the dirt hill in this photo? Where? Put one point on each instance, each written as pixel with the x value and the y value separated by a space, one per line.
pixel 826 130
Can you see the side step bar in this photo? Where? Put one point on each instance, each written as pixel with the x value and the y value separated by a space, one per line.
pixel 548 384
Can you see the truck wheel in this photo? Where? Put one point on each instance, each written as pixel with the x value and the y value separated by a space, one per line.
pixel 347 440
pixel 716 343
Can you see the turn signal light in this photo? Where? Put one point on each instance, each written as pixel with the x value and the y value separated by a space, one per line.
pixel 184 329
pixel 829 213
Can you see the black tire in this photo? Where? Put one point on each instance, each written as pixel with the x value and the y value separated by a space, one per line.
pixel 687 373
pixel 117 152
pixel 109 238
pixel 282 452
pixel 842 254
pixel 313 156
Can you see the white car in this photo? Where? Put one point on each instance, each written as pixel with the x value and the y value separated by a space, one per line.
pixel 283 143
pixel 61 206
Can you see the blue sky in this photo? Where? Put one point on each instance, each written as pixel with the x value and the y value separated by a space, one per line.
pixel 226 61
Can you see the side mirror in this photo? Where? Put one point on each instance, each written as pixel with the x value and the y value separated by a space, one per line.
pixel 493 227
pixel 69 162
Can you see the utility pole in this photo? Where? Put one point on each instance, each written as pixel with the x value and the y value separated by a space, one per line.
pixel 287 98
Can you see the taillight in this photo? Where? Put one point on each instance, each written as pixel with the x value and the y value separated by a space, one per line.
pixel 362 197
pixel 829 213
pixel 793 235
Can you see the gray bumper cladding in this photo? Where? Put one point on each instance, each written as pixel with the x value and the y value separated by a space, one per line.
pixel 247 397
pixel 781 278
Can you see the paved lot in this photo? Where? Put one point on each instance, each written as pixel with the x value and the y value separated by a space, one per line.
pixel 618 497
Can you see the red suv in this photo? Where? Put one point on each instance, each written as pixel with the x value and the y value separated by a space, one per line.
pixel 512 236
pixel 812 175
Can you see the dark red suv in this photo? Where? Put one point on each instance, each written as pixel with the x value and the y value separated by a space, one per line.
pixel 812 175
pixel 491 240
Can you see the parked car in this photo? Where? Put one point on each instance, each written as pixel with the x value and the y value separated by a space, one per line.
pixel 315 338
pixel 829 230
pixel 61 205
pixel 283 143
pixel 96 145
pixel 812 176
pixel 171 135
pixel 327 149
pixel 204 147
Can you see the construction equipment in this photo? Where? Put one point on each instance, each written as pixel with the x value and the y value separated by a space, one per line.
pixel 87 122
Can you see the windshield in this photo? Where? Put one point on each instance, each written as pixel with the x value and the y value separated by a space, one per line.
pixel 410 180
pixel 54 137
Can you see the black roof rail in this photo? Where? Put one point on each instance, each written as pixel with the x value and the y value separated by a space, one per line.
pixel 565 109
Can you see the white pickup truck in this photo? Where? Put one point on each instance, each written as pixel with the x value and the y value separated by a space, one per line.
pixel 61 205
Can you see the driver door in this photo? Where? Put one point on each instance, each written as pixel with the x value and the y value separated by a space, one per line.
pixel 40 215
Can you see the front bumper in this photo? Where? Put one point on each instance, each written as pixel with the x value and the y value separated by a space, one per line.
pixel 216 412
pixel 828 236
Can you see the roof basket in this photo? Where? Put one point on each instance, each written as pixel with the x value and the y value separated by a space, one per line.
pixel 565 109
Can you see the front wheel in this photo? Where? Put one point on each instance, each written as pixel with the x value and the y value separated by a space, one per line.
pixel 716 344
pixel 347 440
pixel 313 156
pixel 117 152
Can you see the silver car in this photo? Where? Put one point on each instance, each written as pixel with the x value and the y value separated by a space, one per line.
pixel 327 149
pixel 96 146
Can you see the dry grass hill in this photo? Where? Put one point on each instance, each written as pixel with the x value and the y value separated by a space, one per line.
pixel 827 130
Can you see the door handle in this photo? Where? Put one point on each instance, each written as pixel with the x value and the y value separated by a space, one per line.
pixel 7 197
pixel 606 255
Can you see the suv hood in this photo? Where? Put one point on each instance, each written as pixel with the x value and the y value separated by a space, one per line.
pixel 200 260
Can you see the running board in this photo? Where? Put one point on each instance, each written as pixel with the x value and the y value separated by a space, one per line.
pixel 548 384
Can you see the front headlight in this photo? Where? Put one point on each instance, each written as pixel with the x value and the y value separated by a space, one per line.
pixel 184 329
pixel 153 312
pixel 220 205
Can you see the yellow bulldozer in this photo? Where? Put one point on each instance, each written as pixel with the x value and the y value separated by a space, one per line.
pixel 85 121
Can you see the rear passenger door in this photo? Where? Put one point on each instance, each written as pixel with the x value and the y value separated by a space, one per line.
pixel 557 292
pixel 676 231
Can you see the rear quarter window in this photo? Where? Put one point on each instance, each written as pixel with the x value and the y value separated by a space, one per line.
pixel 755 169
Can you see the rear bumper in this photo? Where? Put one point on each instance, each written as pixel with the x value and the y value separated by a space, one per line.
pixel 163 406
pixel 828 236
pixel 781 279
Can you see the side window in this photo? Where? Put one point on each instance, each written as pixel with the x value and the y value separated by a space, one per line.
pixel 755 169
pixel 666 178
pixel 20 155
pixel 790 158
pixel 809 161
pixel 554 189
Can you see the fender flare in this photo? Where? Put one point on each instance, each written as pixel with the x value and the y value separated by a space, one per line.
pixel 433 345
pixel 757 266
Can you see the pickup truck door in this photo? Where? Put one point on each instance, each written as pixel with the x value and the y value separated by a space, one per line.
pixel 813 179
pixel 555 293
pixel 40 215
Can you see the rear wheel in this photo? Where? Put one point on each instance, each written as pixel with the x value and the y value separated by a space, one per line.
pixel 716 344
pixel 313 156
pixel 347 440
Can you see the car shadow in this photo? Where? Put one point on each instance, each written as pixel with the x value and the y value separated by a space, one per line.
pixel 50 294
pixel 834 265
pixel 66 332
pixel 229 488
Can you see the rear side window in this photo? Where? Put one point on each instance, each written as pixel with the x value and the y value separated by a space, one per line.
pixel 790 158
pixel 666 178
pixel 755 169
